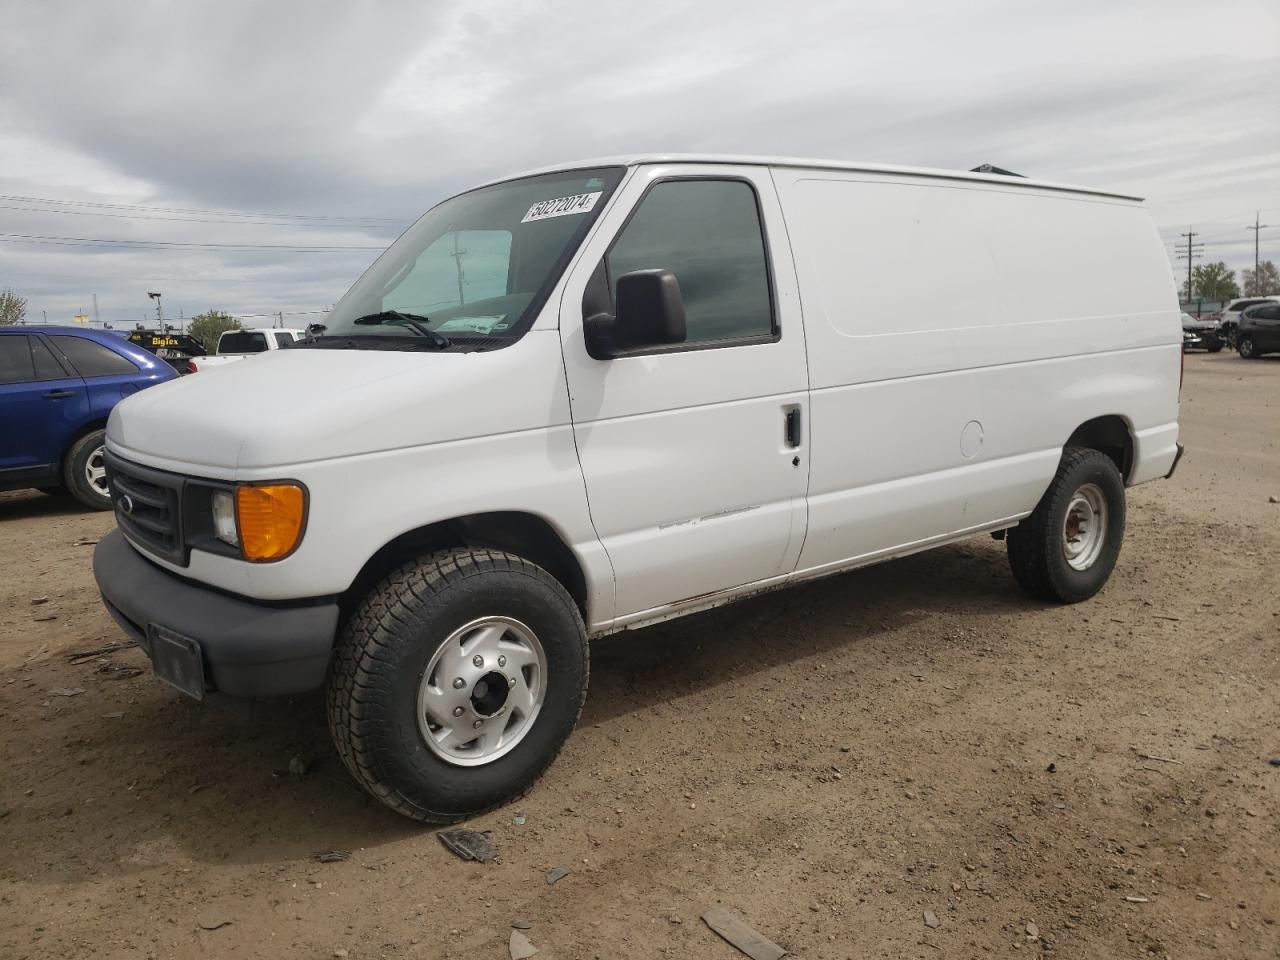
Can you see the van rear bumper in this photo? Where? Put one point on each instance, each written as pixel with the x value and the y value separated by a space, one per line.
pixel 247 648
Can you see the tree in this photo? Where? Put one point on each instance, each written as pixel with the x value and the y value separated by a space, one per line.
pixel 208 326
pixel 1265 283
pixel 13 308
pixel 1215 281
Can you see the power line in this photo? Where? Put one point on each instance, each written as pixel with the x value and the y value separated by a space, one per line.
pixel 143 216
pixel 93 241
pixel 226 213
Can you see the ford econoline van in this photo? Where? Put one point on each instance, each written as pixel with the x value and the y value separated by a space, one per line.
pixel 606 394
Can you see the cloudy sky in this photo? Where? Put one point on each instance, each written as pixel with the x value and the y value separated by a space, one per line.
pixel 263 153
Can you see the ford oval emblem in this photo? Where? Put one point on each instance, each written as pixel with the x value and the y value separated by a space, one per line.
pixel 125 504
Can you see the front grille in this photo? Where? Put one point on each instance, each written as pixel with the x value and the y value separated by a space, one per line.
pixel 148 506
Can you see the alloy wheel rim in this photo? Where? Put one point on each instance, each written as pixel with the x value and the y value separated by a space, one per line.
pixel 481 692
pixel 1084 528
pixel 95 472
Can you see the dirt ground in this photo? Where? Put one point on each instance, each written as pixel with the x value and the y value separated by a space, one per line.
pixel 829 762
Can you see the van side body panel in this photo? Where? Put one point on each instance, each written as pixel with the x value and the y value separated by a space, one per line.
pixel 957 334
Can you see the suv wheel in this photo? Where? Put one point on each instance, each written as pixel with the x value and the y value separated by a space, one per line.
pixel 1067 548
pixel 85 471
pixel 1247 348
pixel 456 683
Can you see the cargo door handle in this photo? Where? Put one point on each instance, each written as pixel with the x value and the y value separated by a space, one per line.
pixel 791 428
pixel 59 394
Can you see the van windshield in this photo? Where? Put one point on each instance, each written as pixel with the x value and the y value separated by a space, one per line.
pixel 476 268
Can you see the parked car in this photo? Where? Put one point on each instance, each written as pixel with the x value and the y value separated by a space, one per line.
pixel 1259 330
pixel 235 345
pixel 57 387
pixel 1206 334
pixel 1230 317
pixel 624 416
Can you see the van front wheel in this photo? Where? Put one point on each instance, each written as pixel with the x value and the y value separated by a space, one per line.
pixel 456 682
pixel 1067 548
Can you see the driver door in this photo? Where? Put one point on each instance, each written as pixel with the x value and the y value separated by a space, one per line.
pixel 694 454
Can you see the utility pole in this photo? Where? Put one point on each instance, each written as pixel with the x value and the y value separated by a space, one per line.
pixel 1257 228
pixel 95 309
pixel 1193 250
pixel 457 259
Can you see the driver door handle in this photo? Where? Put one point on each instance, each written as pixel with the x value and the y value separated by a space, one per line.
pixel 59 394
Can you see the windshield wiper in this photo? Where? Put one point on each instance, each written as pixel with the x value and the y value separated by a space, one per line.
pixel 415 321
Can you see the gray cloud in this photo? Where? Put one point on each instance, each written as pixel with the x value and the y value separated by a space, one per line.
pixel 381 110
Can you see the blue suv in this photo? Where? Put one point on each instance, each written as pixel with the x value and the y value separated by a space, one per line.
pixel 57 387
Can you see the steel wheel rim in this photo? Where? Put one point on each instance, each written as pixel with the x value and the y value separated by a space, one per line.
pixel 95 471
pixel 481 692
pixel 1084 528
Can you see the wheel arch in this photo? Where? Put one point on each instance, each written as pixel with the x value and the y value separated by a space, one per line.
pixel 526 535
pixel 96 423
pixel 1111 434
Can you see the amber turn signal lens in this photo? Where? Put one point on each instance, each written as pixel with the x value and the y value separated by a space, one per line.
pixel 271 518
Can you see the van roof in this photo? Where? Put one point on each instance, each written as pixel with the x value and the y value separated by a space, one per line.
pixel 631 160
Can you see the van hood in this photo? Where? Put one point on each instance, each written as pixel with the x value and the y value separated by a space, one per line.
pixel 293 406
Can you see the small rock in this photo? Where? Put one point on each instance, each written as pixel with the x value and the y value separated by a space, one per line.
pixel 333 856
pixel 66 691
pixel 931 920
pixel 341 953
pixel 845 749
pixel 1052 768
pixel 518 819
pixel 1203 896
pixel 556 874
pixel 297 765
pixel 1274 761
pixel 4 812
pixel 674 919
pixel 114 715
pixel 1273 499
pixel 213 924
pixel 38 600
pixel 46 618
pixel 522 924
pixel 519 946
pixel 1033 932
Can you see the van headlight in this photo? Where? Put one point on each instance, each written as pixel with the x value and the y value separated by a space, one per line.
pixel 224 517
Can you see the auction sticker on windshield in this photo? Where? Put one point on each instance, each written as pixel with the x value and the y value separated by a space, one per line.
pixel 562 207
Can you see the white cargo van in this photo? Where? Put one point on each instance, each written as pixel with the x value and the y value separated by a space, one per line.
pixel 599 396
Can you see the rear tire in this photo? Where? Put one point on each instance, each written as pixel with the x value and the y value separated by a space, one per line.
pixel 85 472
pixel 407 644
pixel 1215 346
pixel 1066 549
pixel 1247 348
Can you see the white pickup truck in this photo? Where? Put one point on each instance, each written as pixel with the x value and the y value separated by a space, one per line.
pixel 235 345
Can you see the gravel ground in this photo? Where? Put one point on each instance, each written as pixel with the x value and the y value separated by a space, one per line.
pixel 828 762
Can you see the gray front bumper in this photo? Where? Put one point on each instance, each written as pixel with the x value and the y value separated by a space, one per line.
pixel 250 648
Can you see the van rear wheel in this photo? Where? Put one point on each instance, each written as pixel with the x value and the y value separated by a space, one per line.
pixel 456 682
pixel 1067 548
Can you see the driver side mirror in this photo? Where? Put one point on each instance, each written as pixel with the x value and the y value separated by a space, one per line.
pixel 649 313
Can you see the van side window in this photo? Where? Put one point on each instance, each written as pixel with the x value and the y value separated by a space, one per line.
pixel 706 232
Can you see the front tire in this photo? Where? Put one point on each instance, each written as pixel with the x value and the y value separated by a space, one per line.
pixel 85 471
pixel 1247 348
pixel 1066 549
pixel 456 683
